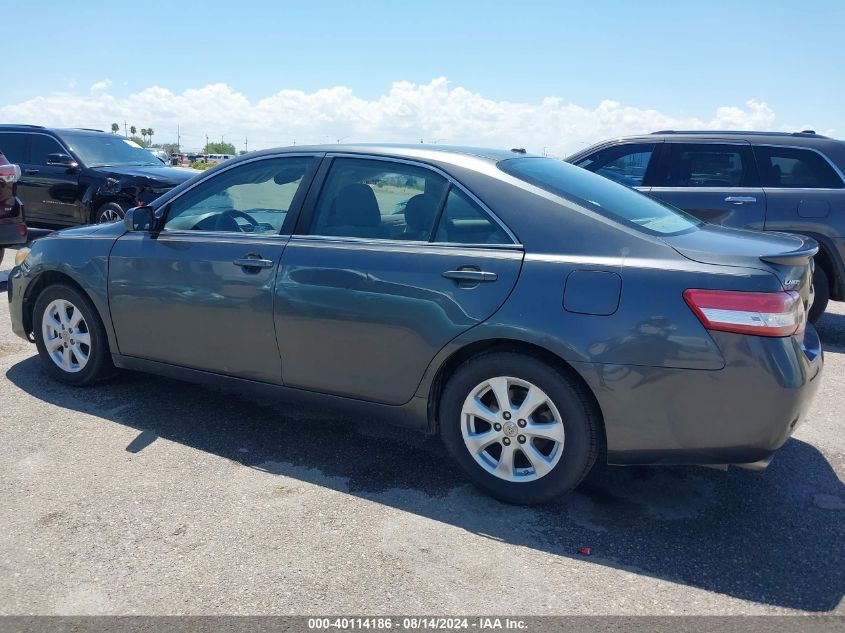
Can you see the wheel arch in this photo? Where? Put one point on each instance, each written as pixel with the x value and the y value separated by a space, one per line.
pixel 37 286
pixel 448 367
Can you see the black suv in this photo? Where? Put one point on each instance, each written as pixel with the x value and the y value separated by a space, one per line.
pixel 756 180
pixel 76 176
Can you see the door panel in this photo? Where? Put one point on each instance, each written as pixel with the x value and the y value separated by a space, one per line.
pixel 50 192
pixel 181 299
pixel 716 182
pixel 364 319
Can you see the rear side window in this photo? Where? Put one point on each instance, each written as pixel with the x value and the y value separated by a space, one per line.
pixel 707 165
pixel 600 195
pixel 792 167
pixel 15 147
pixel 464 222
pixel 625 164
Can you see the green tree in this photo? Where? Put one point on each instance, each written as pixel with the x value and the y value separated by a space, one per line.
pixel 114 128
pixel 150 134
pixel 144 134
pixel 170 148
pixel 220 148
pixel 133 130
pixel 138 140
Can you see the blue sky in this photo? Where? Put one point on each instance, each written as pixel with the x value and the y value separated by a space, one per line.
pixel 682 59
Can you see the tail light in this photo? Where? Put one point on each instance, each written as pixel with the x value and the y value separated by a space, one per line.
pixel 10 173
pixel 758 313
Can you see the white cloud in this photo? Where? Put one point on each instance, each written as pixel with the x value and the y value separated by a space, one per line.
pixel 406 113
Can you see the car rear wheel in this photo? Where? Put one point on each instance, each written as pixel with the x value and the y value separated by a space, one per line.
pixel 109 212
pixel 821 288
pixel 70 337
pixel 523 431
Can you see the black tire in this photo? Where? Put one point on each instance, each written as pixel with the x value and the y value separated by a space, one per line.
pixel 579 414
pixel 821 286
pixel 2 253
pixel 99 364
pixel 102 214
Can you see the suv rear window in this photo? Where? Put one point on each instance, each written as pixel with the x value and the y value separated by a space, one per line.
pixel 795 168
pixel 612 200
pixel 707 165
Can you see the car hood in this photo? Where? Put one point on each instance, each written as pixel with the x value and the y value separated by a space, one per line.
pixel 160 175
pixel 113 229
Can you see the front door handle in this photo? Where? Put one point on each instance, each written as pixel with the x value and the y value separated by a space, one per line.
pixel 253 261
pixel 740 199
pixel 470 275
pixel 31 172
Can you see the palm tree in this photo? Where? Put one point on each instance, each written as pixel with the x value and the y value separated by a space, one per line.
pixel 133 130
pixel 150 134
pixel 114 128
pixel 144 134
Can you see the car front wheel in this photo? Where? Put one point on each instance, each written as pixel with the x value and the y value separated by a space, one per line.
pixel 70 337
pixel 522 430
pixel 109 212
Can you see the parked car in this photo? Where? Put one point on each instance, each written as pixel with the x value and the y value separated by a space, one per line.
pixel 217 158
pixel 71 177
pixel 12 226
pixel 758 180
pixel 536 315
pixel 163 156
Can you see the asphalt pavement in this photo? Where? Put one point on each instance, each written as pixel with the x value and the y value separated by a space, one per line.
pixel 150 496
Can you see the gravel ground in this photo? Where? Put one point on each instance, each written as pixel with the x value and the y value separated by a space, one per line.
pixel 149 496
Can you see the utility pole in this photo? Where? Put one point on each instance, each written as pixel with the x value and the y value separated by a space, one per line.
pixel 246 144
pixel 125 135
pixel 205 150
pixel 178 139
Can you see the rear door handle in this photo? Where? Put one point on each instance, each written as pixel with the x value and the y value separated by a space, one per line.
pixel 470 275
pixel 740 199
pixel 31 172
pixel 253 261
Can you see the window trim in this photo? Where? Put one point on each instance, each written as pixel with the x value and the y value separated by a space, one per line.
pixel 29 134
pixel 298 202
pixel 654 160
pixel 303 225
pixel 833 166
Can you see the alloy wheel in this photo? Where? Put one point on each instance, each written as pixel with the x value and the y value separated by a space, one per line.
pixel 512 429
pixel 109 214
pixel 66 336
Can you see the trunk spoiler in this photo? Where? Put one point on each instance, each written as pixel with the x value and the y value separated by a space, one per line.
pixel 797 257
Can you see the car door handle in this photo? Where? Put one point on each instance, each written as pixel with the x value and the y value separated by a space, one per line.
pixel 740 199
pixel 31 172
pixel 252 261
pixel 469 274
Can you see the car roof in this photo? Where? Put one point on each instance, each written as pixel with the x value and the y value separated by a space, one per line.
pixel 419 151
pixel 805 138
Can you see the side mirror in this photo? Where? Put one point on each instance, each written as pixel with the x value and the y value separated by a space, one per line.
pixel 138 219
pixel 63 160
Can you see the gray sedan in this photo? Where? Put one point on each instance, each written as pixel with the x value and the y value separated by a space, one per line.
pixel 537 316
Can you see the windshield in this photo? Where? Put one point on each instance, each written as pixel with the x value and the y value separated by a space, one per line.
pixel 101 150
pixel 601 195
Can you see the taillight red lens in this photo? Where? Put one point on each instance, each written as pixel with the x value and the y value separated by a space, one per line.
pixel 758 313
pixel 10 173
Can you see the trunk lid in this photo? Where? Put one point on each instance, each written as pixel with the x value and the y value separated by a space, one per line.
pixel 786 255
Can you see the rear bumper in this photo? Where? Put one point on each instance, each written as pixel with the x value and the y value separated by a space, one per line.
pixel 740 414
pixel 11 233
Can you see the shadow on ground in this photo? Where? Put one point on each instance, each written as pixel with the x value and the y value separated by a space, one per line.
pixel 773 537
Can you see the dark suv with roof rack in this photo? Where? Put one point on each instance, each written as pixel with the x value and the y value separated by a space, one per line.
pixel 758 180
pixel 79 176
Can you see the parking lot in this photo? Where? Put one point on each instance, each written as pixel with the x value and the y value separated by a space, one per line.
pixel 151 496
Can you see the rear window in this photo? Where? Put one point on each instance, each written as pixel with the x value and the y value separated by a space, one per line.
pixel 601 195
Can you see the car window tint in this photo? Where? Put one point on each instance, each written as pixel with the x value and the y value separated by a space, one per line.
pixel 707 165
pixel 378 199
pixel 251 198
pixel 791 167
pixel 600 195
pixel 41 147
pixel 625 164
pixel 464 222
pixel 15 147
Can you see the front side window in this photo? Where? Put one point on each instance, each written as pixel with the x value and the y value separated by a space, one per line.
pixel 600 195
pixel 43 146
pixel 378 199
pixel 707 165
pixel 795 168
pixel 625 164
pixel 251 198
